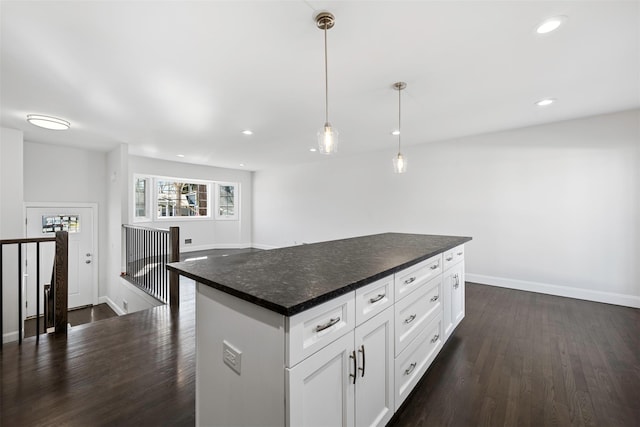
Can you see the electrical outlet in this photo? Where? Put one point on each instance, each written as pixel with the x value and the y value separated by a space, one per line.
pixel 232 357
pixel 125 305
pixel 187 241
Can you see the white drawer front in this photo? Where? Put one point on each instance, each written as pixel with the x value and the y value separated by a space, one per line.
pixel 414 312
pixel 373 299
pixel 309 331
pixel 414 361
pixel 453 256
pixel 410 279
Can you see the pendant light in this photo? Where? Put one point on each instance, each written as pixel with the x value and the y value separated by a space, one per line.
pixel 327 136
pixel 399 161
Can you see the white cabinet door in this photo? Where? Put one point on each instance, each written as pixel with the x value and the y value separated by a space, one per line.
pixel 457 294
pixel 320 388
pixel 453 284
pixel 375 381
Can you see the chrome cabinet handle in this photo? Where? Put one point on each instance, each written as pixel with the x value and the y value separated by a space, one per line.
pixel 410 280
pixel 329 324
pixel 434 266
pixel 457 281
pixel 460 253
pixel 361 350
pixel 410 368
pixel 449 258
pixel 435 338
pixel 434 298
pixel 88 261
pixel 355 367
pixel 378 298
pixel 409 319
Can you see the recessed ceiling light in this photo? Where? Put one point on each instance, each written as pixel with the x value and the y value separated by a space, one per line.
pixel 551 24
pixel 313 150
pixel 395 132
pixel 545 102
pixel 241 165
pixel 47 122
pixel 247 132
pixel 180 155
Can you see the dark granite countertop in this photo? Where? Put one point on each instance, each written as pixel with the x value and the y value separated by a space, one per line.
pixel 293 279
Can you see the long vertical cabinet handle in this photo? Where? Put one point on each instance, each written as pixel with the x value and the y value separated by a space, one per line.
pixel 355 366
pixel 361 350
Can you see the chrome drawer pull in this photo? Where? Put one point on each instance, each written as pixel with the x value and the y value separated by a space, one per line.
pixel 410 280
pixel 435 338
pixel 434 266
pixel 434 298
pixel 329 324
pixel 378 298
pixel 409 319
pixel 460 253
pixel 449 258
pixel 410 368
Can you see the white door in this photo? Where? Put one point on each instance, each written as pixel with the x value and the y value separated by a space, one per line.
pixel 374 385
pixel 321 387
pixel 79 222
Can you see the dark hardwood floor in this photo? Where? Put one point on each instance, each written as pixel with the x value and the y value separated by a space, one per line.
pixel 518 359
pixel 76 317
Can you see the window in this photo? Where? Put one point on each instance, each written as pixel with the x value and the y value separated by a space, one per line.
pixel 140 198
pixel 176 198
pixel 226 200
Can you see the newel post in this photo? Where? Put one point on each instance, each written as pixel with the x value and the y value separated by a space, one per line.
pixel 174 279
pixel 61 282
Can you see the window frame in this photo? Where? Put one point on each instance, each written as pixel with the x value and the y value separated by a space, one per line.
pixel 236 199
pixel 147 198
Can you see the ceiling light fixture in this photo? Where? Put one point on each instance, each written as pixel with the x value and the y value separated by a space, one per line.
pixel 395 132
pixel 545 102
pixel 328 136
pixel 551 24
pixel 399 161
pixel 247 132
pixel 313 150
pixel 180 155
pixel 48 122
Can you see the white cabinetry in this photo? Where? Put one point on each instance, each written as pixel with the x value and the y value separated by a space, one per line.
pixel 454 290
pixel 349 381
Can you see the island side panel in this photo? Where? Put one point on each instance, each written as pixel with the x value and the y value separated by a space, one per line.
pixel 255 396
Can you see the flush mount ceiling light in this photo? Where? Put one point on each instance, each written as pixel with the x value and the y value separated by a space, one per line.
pixel 399 161
pixel 395 133
pixel 551 24
pixel 545 102
pixel 327 136
pixel 247 132
pixel 48 122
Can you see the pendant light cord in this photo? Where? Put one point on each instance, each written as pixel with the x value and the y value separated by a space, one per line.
pixel 326 77
pixel 399 118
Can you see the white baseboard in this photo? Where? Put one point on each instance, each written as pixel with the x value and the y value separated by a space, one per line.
pixel 119 311
pixel 261 246
pixel 191 248
pixel 561 291
pixel 10 337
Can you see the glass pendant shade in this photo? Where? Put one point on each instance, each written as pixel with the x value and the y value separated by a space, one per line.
pixel 328 139
pixel 399 163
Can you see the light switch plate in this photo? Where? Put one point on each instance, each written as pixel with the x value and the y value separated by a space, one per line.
pixel 232 357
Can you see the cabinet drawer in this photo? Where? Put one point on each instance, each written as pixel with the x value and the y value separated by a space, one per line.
pixel 373 299
pixel 412 314
pixel 414 361
pixel 453 256
pixel 309 331
pixel 410 279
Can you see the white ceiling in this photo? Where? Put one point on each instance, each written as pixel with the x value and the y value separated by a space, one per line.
pixel 178 77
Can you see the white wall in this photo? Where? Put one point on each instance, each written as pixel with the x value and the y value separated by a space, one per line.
pixel 551 208
pixel 204 233
pixel 57 174
pixel 11 225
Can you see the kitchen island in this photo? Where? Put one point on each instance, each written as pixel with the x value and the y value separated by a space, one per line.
pixel 331 333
